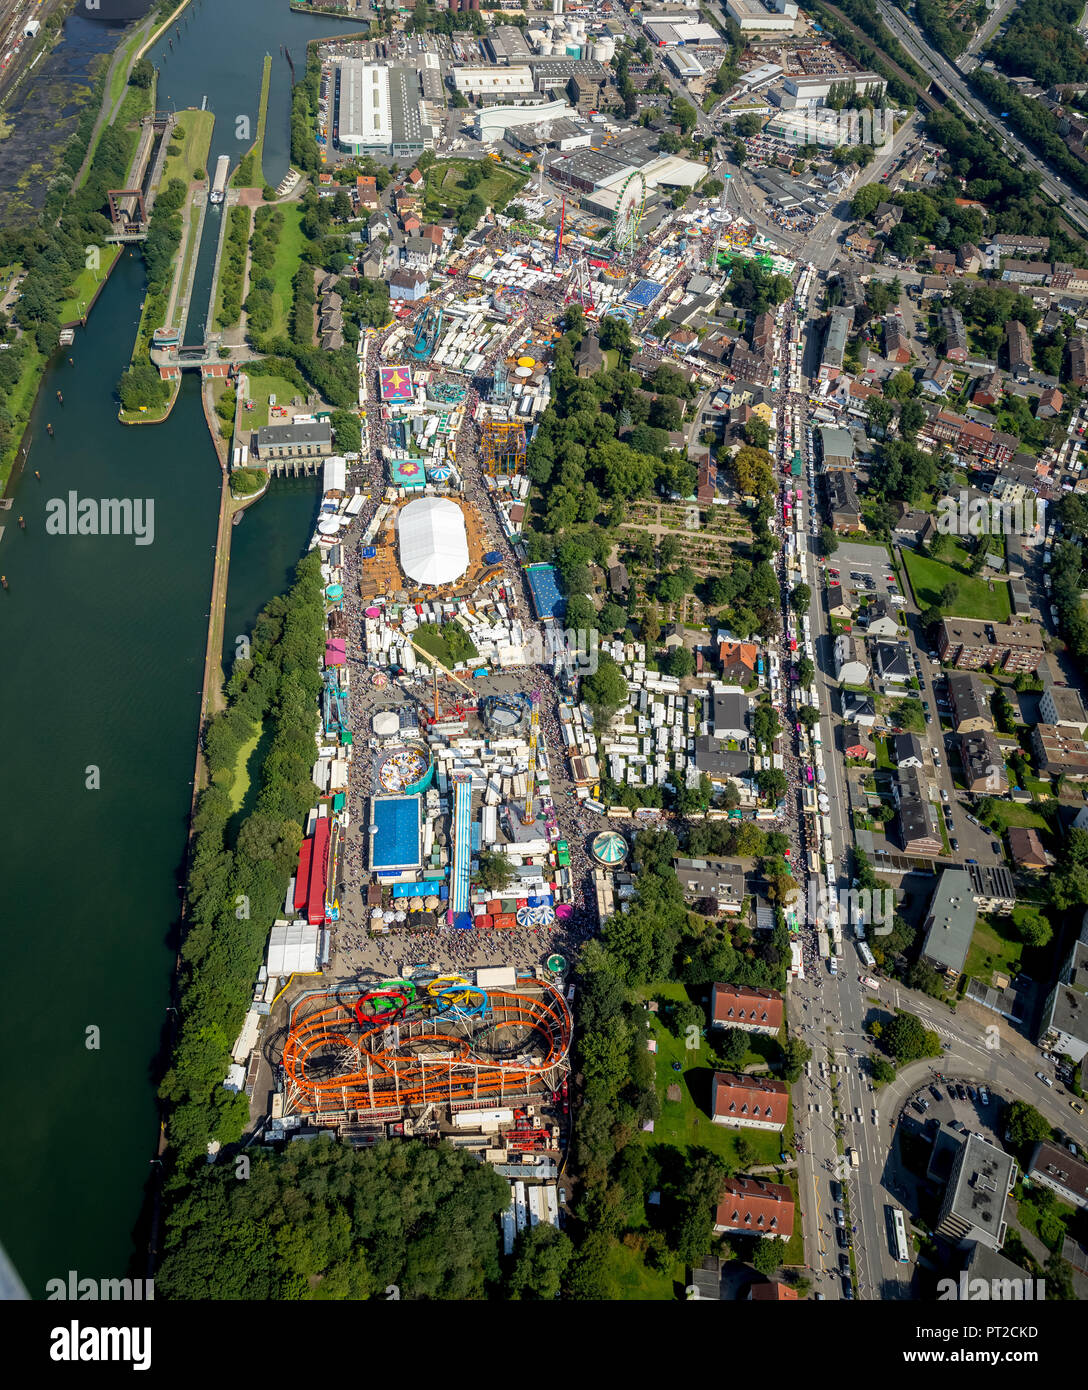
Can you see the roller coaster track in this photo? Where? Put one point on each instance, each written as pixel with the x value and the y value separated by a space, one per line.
pixel 336 1065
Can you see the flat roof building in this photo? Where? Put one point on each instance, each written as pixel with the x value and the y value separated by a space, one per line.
pixel 753 15
pixel 494 81
pixel 950 921
pixel 378 110
pixel 808 91
pixel 981 1179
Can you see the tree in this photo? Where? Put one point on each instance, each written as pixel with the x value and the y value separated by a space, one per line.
pixel 605 689
pixel 801 598
pixel 680 662
pixel 806 671
pixel 494 872
pixel 1031 926
pixel 542 1256
pixel 948 596
pixel 829 542
pixel 732 1046
pixel 771 783
pixel 809 716
pixel 882 1071
pixel 767 1255
pixel 794 1056
pixel 142 74
pixel 1025 1126
pixel 757 433
pixel 684 115
pixel 738 151
pixel 906 1039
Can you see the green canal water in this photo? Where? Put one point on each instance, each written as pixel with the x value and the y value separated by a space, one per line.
pixel 103 656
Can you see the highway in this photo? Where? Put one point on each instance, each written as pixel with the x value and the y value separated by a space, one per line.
pixel 1072 204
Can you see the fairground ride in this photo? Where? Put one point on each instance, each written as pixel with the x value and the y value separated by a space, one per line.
pixel 464 1045
pixel 630 209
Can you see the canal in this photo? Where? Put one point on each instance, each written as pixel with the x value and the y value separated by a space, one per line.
pixel 104 648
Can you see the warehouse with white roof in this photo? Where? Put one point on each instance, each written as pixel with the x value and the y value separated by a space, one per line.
pixel 432 541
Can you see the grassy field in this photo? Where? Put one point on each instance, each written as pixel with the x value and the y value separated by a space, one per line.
pixel 288 259
pixel 240 782
pixel 686 1124
pixel 631 1280
pixel 18 405
pixel 260 388
pixel 445 189
pixel 250 172
pixel 1014 813
pixel 86 284
pixel 435 643
pixel 991 949
pixel 974 600
pixel 195 142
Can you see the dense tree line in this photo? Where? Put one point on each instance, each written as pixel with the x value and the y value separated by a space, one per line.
pixel 260 301
pixel 232 267
pixel 1031 120
pixel 325 1221
pixel 140 384
pixel 948 38
pixel 304 99
pixel 1041 41
pixel 237 881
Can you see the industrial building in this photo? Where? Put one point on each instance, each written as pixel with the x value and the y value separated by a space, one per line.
pixel 379 110
pixel 810 91
pixel 687 68
pixel 753 15
pixel 493 122
pixel 494 81
pixel 668 33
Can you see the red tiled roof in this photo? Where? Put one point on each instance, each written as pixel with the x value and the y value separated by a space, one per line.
pixel 773 1293
pixel 750 1204
pixel 744 652
pixel 742 1098
pixel 731 1004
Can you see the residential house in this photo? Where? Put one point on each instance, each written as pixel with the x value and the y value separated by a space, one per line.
pixel 949 922
pixel 1078 360
pixel 1053 1166
pixel 619 581
pixel 738 662
pixel 712 878
pixel 1058 753
pixel 975 1193
pixel 970 703
pixel 1050 404
pixel 1017 244
pixel 836 449
pixel 969 645
pixel 908 750
pixel 772 1291
pixel 880 618
pixel 843 504
pixel 917 823
pixel 937 379
pixel 1061 706
pixel 748 1102
pixel 896 343
pixel 720 763
pixel 763 333
pixel 983 764
pixel 672 636
pixel 858 742
pixel 706 481
pixel 729 715
pixel 408 285
pixel 993 887
pixel 858 708
pixel 751 1010
pixel 969 258
pixel 842 601
pixel 834 345
pixel 886 217
pixel 1018 342
pixel 892 664
pixel 1064 1026
pixel 366 191
pixel 851 665
pixel 1026 849
pixel 755 1207
pixel 988 390
pixel 943 262
pixel 956 346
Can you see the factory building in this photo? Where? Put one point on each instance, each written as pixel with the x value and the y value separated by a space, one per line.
pixel 379 110
pixel 753 15
pixel 494 81
pixel 493 121
pixel 671 32
pixel 810 91
pixel 686 67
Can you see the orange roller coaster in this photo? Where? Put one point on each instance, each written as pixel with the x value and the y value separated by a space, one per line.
pixel 336 1067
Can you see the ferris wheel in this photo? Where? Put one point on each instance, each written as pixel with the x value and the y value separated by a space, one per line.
pixel 630 207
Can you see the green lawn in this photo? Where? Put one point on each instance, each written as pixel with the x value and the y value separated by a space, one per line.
pixel 1014 813
pixel 260 388
pixel 630 1279
pixel 120 74
pixel 883 756
pixel 239 787
pixel 85 286
pixel 444 188
pixel 288 259
pixel 18 404
pixel 435 643
pixel 992 949
pixel 974 599
pixel 686 1124
pixel 195 142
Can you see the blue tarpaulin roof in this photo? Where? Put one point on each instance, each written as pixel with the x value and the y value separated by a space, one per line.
pixel 544 587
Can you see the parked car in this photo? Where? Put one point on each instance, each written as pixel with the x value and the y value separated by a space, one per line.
pixel 1041 1076
pixel 972 1093
pixel 841 1237
pixel 995 845
pixel 847 1288
pixel 954 845
pixel 840 1217
pixel 984 1095
pixel 935 1093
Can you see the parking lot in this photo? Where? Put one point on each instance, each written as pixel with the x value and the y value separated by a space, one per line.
pixel 866 569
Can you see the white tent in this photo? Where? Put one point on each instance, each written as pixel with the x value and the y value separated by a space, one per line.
pixel 335 475
pixel 433 543
pixel 292 946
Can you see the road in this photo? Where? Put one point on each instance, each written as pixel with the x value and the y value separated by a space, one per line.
pixel 1072 204
pixel 968 59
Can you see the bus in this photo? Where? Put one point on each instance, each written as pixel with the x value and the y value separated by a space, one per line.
pixel 899 1235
